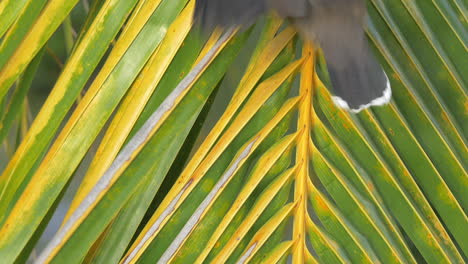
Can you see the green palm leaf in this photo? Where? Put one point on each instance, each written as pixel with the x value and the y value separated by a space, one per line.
pixel 282 174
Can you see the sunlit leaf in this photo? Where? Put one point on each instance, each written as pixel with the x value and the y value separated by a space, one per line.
pixel 175 145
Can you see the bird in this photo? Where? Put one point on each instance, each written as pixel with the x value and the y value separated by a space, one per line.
pixel 338 26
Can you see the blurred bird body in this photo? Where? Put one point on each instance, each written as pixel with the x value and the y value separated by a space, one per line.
pixel 336 25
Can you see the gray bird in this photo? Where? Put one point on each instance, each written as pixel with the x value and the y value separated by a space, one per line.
pixel 336 25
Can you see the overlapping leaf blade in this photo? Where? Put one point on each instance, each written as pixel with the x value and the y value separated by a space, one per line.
pixel 385 185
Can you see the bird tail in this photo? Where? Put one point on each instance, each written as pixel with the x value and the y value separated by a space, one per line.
pixel 358 81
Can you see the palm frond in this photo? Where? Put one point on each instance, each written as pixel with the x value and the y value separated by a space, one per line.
pixel 282 174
